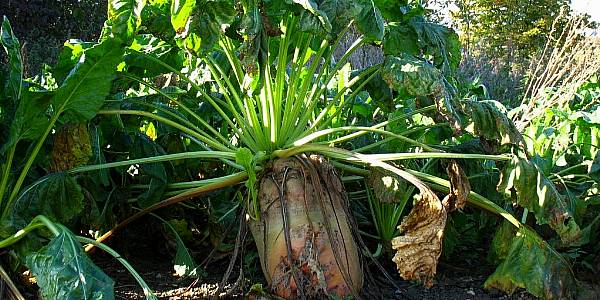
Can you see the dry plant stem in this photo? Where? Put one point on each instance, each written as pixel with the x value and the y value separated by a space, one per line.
pixel 12 288
pixel 564 65
pixel 240 177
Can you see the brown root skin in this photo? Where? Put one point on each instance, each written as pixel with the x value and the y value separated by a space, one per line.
pixel 304 237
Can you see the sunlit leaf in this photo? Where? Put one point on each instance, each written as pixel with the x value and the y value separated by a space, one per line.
pixel 411 77
pixel 535 192
pixel 124 18
pixel 83 92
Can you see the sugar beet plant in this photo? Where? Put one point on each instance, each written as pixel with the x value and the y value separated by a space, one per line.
pixel 255 88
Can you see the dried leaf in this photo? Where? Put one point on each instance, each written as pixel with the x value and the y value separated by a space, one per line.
pixel 419 249
pixel 459 187
pixel 72 147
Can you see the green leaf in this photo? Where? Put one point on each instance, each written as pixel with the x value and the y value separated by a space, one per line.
pixel 438 41
pixel 594 171
pixel 157 173
pixel 68 58
pixel 148 44
pixel 535 266
pixel 57 196
pixel 411 77
pixel 156 19
pixel 488 119
pixel 124 17
pixel 183 262
pixel 13 49
pixel 538 194
pixel 30 119
pixel 198 25
pixel 313 9
pixel 401 38
pixel 500 246
pixel 83 92
pixel 64 272
pixel 368 19
pixel 180 13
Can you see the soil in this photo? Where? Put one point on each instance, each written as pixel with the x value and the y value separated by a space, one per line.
pixel 460 279
pixel 451 282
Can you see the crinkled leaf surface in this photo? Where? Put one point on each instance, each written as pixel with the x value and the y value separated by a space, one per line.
pixel 420 245
pixel 198 24
pixel 58 196
pixel 459 187
pixel 411 77
pixel 400 38
pixel 83 92
pixel 13 49
pixel 418 37
pixel 534 191
pixel 64 272
pixel 535 266
pixel 365 15
pixel 488 119
pixel 72 147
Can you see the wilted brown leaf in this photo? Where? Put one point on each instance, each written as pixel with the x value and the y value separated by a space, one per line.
pixel 420 246
pixel 459 187
pixel 418 250
pixel 71 148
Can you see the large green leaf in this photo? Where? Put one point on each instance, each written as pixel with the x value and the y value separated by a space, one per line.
pixel 198 24
pixel 68 58
pixel 30 119
pixel 83 92
pixel 308 23
pixel 124 18
pixel 400 38
pixel 64 272
pixel 365 15
pixel 144 67
pixel 421 38
pixel 13 49
pixel 181 11
pixel 411 77
pixel 535 266
pixel 57 196
pixel 538 194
